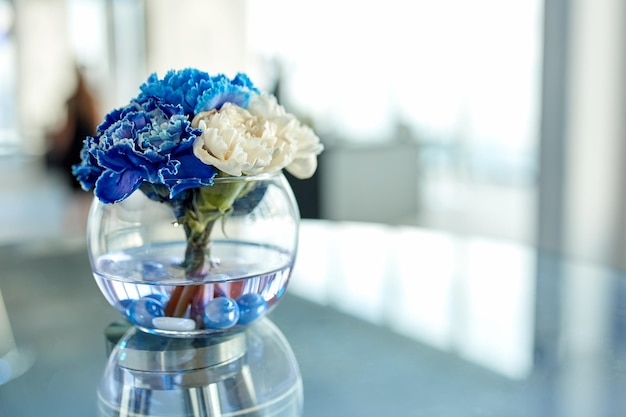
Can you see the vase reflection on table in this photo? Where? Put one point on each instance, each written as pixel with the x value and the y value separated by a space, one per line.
pixel 250 373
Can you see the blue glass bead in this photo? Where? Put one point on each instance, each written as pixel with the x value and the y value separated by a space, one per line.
pixel 251 307
pixel 161 298
pixel 220 313
pixel 142 311
pixel 125 304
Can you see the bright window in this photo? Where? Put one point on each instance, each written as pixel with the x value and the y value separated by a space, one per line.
pixel 461 74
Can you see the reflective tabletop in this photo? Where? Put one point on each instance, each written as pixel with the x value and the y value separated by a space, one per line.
pixel 382 320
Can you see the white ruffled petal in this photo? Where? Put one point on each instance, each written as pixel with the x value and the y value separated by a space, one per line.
pixel 303 168
pixel 263 138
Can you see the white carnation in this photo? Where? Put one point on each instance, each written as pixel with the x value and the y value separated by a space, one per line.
pixel 263 138
pixel 297 145
pixel 234 141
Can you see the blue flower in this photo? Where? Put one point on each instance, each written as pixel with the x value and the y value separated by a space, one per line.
pixel 151 142
pixel 177 87
pixel 197 91
pixel 222 90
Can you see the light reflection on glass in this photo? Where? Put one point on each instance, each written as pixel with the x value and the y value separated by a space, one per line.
pixel 498 299
pixel 471 297
pixel 358 265
pixel 312 276
pixel 423 285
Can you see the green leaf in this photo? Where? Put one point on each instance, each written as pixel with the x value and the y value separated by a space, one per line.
pixel 219 196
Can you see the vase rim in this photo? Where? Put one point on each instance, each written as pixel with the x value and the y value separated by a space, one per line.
pixel 231 179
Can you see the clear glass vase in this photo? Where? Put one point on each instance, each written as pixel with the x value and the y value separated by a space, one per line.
pixel 211 262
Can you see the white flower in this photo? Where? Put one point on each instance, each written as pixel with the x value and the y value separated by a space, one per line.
pixel 234 141
pixel 290 133
pixel 304 162
pixel 263 138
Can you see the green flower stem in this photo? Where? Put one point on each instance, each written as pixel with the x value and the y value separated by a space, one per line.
pixel 197 250
pixel 206 207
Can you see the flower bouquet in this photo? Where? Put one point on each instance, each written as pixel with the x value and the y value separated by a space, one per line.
pixel 196 144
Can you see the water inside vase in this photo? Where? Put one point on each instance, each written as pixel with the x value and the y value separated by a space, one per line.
pixel 234 269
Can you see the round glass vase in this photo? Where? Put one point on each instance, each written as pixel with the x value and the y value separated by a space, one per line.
pixel 209 263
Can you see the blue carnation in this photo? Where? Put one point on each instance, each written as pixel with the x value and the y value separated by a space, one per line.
pixel 222 90
pixel 197 91
pixel 177 87
pixel 152 142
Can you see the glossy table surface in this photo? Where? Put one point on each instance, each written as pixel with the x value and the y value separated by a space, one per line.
pixel 384 321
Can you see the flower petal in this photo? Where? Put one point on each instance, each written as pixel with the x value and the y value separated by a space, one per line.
pixel 112 186
pixel 303 168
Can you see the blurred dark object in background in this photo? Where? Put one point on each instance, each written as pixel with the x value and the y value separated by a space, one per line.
pixel 64 144
pixel 307 194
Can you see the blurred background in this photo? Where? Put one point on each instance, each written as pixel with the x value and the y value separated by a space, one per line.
pixel 489 118
pixel 501 121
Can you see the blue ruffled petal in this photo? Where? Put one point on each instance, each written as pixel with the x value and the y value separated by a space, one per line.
pixel 177 88
pixel 242 80
pixel 223 90
pixel 88 170
pixel 113 187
